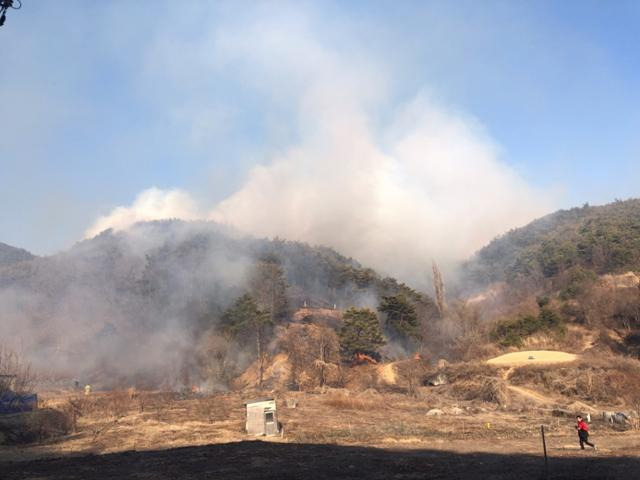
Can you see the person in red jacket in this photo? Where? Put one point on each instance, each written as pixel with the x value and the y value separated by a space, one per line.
pixel 583 433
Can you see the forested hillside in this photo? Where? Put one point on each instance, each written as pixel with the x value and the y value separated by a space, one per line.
pixel 10 255
pixel 603 239
pixel 130 303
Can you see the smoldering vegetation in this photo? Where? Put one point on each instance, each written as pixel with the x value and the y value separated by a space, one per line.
pixel 143 306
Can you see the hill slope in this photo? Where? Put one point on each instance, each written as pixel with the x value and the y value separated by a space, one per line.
pixel 10 255
pixel 603 239
pixel 133 302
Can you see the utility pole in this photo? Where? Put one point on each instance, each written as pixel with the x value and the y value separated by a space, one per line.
pixel 6 5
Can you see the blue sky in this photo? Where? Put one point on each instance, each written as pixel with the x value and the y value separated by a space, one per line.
pixel 100 101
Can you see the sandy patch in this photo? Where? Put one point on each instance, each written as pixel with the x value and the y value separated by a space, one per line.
pixel 532 357
pixel 625 280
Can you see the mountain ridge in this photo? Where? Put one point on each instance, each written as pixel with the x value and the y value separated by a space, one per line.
pixel 10 255
pixel 134 300
pixel 604 239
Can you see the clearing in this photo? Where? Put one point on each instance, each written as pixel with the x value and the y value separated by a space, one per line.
pixel 532 357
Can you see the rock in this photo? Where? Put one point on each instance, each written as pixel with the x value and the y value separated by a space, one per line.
pixel 620 418
pixel 435 412
pixel 615 418
pixel 436 379
pixel 455 411
pixel 442 363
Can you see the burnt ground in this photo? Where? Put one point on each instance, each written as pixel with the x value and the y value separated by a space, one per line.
pixel 268 460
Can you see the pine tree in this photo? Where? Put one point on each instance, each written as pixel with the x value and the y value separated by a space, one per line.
pixel 244 320
pixel 360 332
pixel 401 317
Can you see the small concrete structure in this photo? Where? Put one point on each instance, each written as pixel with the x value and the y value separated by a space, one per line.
pixel 262 417
pixel 435 380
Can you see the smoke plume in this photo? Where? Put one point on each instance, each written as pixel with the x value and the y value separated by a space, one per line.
pixel 392 185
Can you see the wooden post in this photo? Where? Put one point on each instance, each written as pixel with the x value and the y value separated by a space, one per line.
pixel 544 448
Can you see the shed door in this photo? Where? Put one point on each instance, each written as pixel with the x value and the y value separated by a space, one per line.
pixel 270 423
pixel 255 421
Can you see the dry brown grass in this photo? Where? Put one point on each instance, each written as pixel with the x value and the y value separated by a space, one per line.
pixel 370 418
pixel 212 409
pixel 344 401
pixel 484 389
pixel 605 379
pixel 470 371
pixel 362 377
pixel 37 426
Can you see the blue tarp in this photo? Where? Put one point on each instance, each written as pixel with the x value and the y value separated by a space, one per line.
pixel 11 402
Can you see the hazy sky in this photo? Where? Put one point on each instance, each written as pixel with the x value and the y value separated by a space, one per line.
pixel 298 118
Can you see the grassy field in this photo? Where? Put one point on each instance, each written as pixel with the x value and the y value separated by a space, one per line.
pixel 330 434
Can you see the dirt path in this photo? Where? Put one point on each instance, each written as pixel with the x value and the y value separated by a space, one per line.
pixel 507 373
pixel 531 395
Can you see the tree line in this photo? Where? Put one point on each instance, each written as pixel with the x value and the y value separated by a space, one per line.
pixel 251 322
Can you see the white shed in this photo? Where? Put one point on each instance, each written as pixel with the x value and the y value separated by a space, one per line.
pixel 262 417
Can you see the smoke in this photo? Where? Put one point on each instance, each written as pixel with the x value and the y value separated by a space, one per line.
pixel 393 185
pixel 143 306
pixel 344 163
pixel 435 190
pixel 151 204
pixel 124 308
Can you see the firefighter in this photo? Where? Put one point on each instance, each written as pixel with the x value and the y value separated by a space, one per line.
pixel 583 433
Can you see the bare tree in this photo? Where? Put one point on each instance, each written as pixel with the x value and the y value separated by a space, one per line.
pixel 15 372
pixel 268 287
pixel 469 337
pixel 438 288
pixel 412 372
pixel 215 359
pixel 294 343
pixel 327 347
pixel 313 352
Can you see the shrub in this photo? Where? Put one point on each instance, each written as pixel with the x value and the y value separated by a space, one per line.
pixel 511 333
pixel 36 426
pixel 576 282
pixel 592 379
pixel 491 390
pixel 469 371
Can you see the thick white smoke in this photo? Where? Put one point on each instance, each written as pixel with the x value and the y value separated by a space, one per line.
pixel 151 204
pixel 437 191
pixel 425 183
